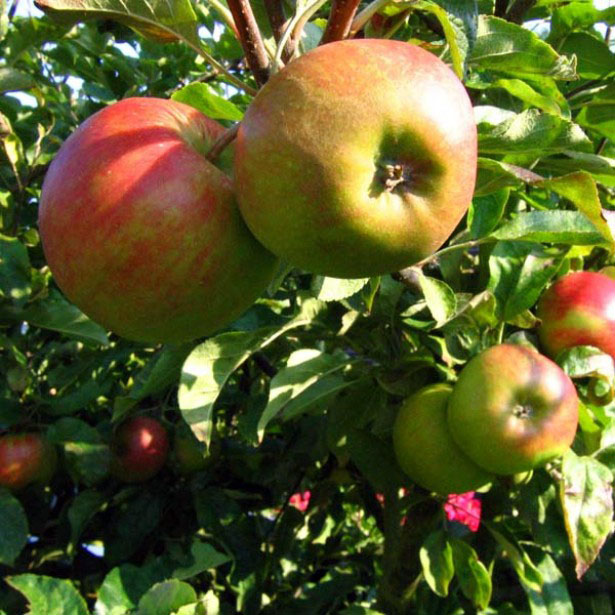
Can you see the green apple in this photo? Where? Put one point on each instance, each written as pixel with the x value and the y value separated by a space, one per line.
pixel 142 232
pixel 512 409
pixel 358 158
pixel 425 450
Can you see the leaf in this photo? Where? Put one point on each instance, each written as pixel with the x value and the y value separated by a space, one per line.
pixel 155 19
pixel 13 529
pixel 440 298
pixel 13 80
pixel 509 48
pixel 597 113
pixel 166 597
pixel 532 133
pixel 201 557
pixel 525 92
pixel 336 289
pixel 83 507
pixel 15 278
pixel 48 595
pixel 567 227
pixel 210 364
pixel 494 175
pixel 594 59
pixel 202 97
pixel 87 456
pixel 474 579
pixel 436 556
pixel 485 212
pixel 303 369
pixel 554 598
pixel 589 362
pixel 586 496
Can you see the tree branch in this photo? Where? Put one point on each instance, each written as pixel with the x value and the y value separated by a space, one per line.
pixel 250 39
pixel 278 21
pixel 517 11
pixel 500 8
pixel 340 20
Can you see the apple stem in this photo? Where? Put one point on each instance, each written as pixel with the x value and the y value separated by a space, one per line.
pixel 250 39
pixel 365 15
pixel 340 20
pixel 220 144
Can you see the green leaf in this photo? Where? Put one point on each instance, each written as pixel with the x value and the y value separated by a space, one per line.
pixel 15 279
pixel 554 598
pixel 485 212
pixel 83 507
pixel 13 529
pixel 436 556
pixel 474 579
pixel 440 298
pixel 567 227
pixel 506 47
pixel 598 112
pixel 594 59
pixel 303 369
pixel 13 80
pixel 525 92
pixel 532 133
pixel 202 557
pixel 166 597
pixel 589 362
pixel 494 175
pixel 336 289
pixel 86 454
pixel 48 595
pixel 202 97
pixel 586 496
pixel 210 364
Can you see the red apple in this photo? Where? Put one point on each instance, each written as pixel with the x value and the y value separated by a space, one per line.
pixel 512 409
pixel 578 310
pixel 142 232
pixel 139 449
pixel 24 459
pixel 358 158
pixel 425 450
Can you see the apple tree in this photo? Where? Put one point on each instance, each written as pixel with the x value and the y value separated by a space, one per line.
pixel 253 470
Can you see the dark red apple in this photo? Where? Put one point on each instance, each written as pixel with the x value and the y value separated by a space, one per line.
pixel 512 409
pixel 24 459
pixel 358 158
pixel 578 310
pixel 142 232
pixel 139 449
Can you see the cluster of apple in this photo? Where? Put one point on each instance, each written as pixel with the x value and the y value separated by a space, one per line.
pixel 356 159
pixel 512 409
pixel 139 449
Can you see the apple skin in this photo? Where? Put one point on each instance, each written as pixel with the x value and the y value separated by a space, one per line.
pixel 190 455
pixel 578 310
pixel 139 448
pixel 425 449
pixel 316 152
pixel 512 409
pixel 26 458
pixel 142 232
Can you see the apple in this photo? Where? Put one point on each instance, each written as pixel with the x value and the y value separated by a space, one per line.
pixel 512 409
pixel 26 458
pixel 190 455
pixel 425 449
pixel 139 449
pixel 578 310
pixel 357 159
pixel 142 232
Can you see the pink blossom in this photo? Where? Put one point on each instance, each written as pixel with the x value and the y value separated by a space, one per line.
pixel 464 508
pixel 300 500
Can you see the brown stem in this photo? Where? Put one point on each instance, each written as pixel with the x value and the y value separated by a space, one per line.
pixel 278 21
pixel 220 144
pixel 340 20
pixel 518 10
pixel 500 8
pixel 250 38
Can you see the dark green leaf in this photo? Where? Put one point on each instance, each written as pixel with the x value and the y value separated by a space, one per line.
pixel 15 280
pixel 13 529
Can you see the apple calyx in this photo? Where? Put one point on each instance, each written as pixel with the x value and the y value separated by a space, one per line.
pixel 523 411
pixel 394 176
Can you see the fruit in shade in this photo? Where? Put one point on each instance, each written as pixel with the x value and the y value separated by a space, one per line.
pixel 425 449
pixel 139 449
pixel 578 310
pixel 189 455
pixel 512 409
pixel 26 458
pixel 358 158
pixel 142 232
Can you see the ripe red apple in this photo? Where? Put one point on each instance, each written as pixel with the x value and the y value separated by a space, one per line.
pixel 24 459
pixel 358 158
pixel 512 409
pixel 139 449
pixel 142 232
pixel 425 449
pixel 578 310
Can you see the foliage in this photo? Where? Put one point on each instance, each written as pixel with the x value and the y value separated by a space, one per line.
pixel 300 393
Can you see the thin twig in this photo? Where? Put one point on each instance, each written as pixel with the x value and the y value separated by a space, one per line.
pixel 340 20
pixel 365 15
pixel 250 39
pixel 220 144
